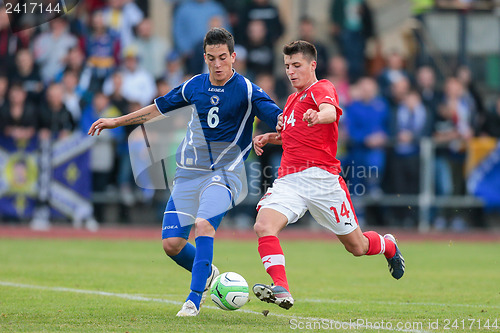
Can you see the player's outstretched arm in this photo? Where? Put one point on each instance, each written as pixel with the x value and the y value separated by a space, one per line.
pixel 138 117
pixel 327 114
pixel 261 140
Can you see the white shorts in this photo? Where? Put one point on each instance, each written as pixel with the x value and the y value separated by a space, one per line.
pixel 325 196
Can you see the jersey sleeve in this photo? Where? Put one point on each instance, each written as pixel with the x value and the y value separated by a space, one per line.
pixel 265 108
pixel 175 99
pixel 326 93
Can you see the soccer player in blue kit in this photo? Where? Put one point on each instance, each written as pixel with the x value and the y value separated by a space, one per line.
pixel 210 158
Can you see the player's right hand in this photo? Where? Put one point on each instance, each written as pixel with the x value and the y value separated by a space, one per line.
pixel 102 123
pixel 258 142
pixel 279 126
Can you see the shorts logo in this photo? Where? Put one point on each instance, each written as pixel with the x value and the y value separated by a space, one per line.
pixel 214 100
pixel 216 178
pixel 169 227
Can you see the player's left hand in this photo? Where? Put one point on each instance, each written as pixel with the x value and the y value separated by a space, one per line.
pixel 311 116
pixel 259 142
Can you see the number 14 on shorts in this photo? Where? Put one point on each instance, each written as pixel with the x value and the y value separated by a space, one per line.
pixel 344 212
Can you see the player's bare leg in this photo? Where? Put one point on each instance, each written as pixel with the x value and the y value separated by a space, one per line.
pixel 371 243
pixel 267 227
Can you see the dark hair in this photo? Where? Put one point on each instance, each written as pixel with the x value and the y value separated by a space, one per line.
pixel 301 46
pixel 219 36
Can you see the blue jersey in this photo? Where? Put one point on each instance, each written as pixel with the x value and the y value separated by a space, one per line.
pixel 219 134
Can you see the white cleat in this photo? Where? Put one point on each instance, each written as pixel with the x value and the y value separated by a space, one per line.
pixel 188 310
pixel 210 280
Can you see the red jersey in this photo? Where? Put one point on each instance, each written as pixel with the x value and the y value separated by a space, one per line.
pixel 303 146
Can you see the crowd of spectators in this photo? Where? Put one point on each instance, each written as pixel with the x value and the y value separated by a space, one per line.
pixel 104 59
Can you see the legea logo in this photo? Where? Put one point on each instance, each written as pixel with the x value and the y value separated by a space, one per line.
pixel 26 14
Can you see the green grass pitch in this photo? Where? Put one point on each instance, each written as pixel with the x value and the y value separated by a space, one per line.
pixel 131 286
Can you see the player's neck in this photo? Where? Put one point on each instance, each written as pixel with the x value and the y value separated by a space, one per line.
pixel 306 86
pixel 220 83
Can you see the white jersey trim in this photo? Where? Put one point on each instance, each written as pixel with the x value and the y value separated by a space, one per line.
pixel 177 212
pixel 164 115
pixel 184 87
pixel 314 99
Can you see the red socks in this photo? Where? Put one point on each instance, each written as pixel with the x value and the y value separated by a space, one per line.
pixel 378 245
pixel 273 259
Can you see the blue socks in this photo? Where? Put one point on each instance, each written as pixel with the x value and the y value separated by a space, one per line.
pixel 185 258
pixel 202 267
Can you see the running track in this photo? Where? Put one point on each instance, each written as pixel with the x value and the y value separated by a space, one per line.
pixel 154 233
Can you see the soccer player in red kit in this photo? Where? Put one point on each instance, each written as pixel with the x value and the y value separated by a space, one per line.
pixel 308 178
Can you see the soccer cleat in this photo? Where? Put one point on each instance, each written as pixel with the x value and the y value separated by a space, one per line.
pixel 396 263
pixel 273 294
pixel 211 278
pixel 188 310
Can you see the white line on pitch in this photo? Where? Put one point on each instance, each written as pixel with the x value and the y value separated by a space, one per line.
pixel 162 300
pixel 399 303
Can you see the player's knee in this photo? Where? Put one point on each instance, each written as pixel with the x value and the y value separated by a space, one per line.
pixel 204 228
pixel 262 228
pixel 172 246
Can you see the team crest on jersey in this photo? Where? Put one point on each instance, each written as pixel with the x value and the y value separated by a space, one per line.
pixel 303 97
pixel 214 100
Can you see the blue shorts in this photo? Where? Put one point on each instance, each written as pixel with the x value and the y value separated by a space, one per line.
pixel 208 197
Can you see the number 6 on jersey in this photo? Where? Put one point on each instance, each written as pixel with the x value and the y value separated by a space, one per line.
pixel 213 117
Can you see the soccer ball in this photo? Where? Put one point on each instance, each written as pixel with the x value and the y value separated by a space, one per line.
pixel 229 291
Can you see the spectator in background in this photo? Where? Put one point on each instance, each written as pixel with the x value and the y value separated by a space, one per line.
pixel 50 49
pixel 413 122
pixel 240 64
pixel 26 71
pixel 261 10
pixel 451 130
pixel 191 20
pixel 5 37
pixel 398 91
pixel 121 16
pixel 339 76
pixel 18 116
pixel 55 120
pixel 138 85
pixel 426 86
pixel 392 73
pixel 473 97
pixel 492 123
pixel 125 173
pixel 174 75
pixel 75 63
pixel 4 86
pixel 102 153
pixel 260 51
pixel 352 27
pixel 11 43
pixel 72 95
pixel 367 121
pixel 307 32
pixel 103 51
pixel 152 50
pixel 116 96
pixel 162 87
